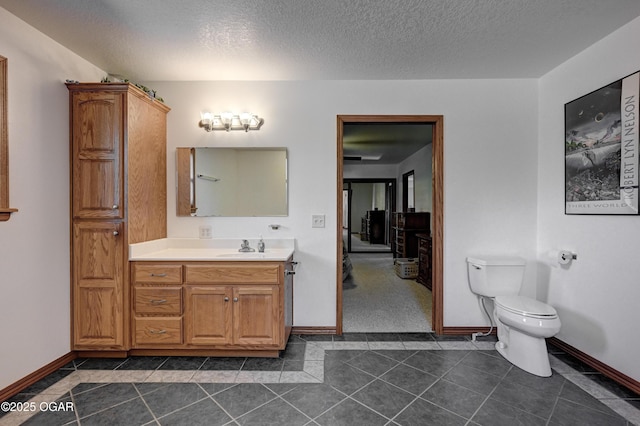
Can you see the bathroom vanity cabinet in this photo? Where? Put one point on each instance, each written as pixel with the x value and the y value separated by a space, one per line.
pixel 215 307
pixel 118 197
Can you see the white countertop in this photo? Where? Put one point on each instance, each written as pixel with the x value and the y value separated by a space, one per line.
pixel 215 249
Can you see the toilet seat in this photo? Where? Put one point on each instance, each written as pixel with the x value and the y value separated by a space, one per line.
pixel 526 306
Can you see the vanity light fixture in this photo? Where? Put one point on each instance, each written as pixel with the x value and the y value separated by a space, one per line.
pixel 229 121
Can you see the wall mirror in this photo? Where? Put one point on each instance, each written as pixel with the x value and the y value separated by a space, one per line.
pixel 231 182
pixel 5 211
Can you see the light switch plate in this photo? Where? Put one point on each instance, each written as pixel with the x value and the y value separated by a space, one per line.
pixel 317 221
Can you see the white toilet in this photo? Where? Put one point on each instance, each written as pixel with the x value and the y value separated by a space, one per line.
pixel 523 323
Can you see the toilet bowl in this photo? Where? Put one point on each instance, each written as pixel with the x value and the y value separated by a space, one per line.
pixel 523 323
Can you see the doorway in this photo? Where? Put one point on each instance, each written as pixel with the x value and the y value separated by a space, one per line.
pixel 368 205
pixel 437 206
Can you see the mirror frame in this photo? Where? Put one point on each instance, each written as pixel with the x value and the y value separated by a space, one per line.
pixel 5 210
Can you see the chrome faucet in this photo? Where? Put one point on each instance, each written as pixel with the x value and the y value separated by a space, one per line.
pixel 244 247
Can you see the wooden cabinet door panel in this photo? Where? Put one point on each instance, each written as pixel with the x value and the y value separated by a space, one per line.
pixel 207 315
pixel 256 315
pixel 97 139
pixel 97 317
pixel 98 287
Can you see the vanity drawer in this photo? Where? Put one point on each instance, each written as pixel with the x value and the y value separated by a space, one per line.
pixel 157 300
pixel 158 331
pixel 235 273
pixel 156 273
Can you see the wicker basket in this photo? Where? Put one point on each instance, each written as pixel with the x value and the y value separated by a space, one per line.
pixel 406 267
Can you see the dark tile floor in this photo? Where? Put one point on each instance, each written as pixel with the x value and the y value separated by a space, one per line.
pixel 357 379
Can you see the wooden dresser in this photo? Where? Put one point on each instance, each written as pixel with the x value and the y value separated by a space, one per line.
pixel 424 260
pixel 406 225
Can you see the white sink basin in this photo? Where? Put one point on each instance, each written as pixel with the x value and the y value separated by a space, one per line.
pixel 195 249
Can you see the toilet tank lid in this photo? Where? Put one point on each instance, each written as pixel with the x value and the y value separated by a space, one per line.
pixel 496 260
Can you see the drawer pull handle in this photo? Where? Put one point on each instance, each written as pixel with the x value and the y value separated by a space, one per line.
pixel 159 275
pixel 157 301
pixel 152 331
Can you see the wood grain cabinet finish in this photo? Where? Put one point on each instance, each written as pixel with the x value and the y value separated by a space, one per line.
pixel 226 306
pixel 157 304
pixel 118 197
pixel 98 285
pixel 97 142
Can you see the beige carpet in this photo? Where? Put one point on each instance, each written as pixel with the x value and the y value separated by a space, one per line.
pixel 375 299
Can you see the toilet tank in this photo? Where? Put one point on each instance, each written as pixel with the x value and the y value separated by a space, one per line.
pixel 495 276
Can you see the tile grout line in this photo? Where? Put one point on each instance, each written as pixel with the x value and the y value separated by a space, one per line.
pixel 118 376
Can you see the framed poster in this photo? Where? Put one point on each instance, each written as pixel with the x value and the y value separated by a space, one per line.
pixel 601 150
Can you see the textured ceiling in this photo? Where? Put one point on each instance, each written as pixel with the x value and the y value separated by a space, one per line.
pixel 196 40
pixel 325 40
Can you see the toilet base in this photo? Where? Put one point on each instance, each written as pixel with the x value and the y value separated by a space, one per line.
pixel 526 352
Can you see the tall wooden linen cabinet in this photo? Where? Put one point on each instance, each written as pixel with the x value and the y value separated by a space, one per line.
pixel 118 197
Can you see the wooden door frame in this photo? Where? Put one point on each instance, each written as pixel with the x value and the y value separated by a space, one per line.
pixel 437 214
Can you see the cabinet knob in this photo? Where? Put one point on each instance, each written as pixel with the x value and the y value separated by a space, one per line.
pixel 116 233
pixel 115 207
pixel 235 299
pixel 226 298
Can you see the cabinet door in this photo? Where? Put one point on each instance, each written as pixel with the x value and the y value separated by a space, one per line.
pixel 256 315
pixel 207 313
pixel 98 285
pixel 97 140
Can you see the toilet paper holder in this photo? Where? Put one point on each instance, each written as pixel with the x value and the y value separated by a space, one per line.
pixel 565 257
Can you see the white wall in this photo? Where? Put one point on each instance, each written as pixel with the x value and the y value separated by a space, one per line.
pixel 597 296
pixel 490 167
pixel 34 243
